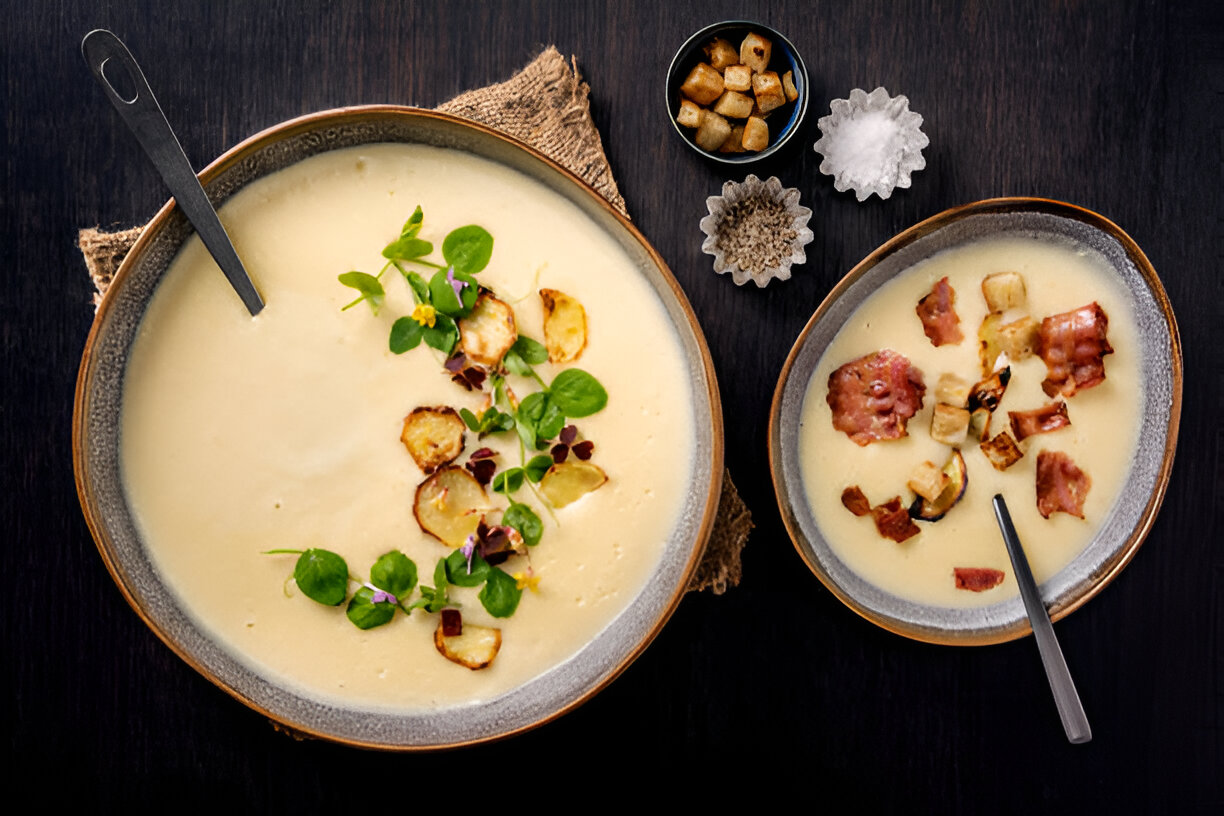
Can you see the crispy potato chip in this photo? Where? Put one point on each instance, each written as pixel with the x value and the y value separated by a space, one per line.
pixel 449 505
pixel 565 328
pixel 474 647
pixel 433 436
pixel 570 481
pixel 488 331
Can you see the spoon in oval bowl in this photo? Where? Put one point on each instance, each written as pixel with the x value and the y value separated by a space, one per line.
pixel 104 51
pixel 1070 710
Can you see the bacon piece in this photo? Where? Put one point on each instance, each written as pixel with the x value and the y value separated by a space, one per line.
pixel 1039 420
pixel 873 396
pixel 938 314
pixel 893 521
pixel 1060 485
pixel 1073 345
pixel 977 579
pixel 855 501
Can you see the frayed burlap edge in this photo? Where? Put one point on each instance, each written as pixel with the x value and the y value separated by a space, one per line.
pixel 547 106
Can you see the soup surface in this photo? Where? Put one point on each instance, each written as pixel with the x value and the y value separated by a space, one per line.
pixel 1101 439
pixel 241 435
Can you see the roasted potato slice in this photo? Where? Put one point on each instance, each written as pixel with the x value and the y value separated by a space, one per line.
pixel 565 327
pixel 958 480
pixel 474 647
pixel 433 436
pixel 488 331
pixel 449 505
pixel 570 481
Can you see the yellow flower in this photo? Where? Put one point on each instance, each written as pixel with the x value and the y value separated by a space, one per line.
pixel 527 580
pixel 425 315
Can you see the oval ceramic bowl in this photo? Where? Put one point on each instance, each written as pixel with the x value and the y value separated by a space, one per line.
pixel 96 425
pixel 785 57
pixel 1132 514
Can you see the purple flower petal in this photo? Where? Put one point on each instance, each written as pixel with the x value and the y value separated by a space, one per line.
pixel 469 547
pixel 457 285
pixel 380 595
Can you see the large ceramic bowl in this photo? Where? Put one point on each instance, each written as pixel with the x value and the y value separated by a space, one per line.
pixel 1132 513
pixel 97 454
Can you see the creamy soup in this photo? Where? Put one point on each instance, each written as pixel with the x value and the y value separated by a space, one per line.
pixel 241 434
pixel 1101 439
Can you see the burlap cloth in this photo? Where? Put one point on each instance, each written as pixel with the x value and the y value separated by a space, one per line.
pixel 546 106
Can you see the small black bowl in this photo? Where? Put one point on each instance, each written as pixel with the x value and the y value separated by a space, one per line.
pixel 784 58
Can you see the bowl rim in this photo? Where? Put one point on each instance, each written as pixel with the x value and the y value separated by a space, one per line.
pixel 1120 557
pixel 350 114
pixel 797 116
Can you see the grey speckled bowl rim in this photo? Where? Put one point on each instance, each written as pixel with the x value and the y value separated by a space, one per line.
pixel 1131 516
pixel 95 448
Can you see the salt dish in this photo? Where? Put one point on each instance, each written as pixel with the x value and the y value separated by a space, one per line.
pixel 756 230
pixel 871 143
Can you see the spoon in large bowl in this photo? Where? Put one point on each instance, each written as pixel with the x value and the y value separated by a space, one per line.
pixel 1070 710
pixel 105 52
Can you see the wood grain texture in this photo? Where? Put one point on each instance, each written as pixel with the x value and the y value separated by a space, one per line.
pixel 1117 106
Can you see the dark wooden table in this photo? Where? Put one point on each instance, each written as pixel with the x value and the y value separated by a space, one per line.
pixel 1116 106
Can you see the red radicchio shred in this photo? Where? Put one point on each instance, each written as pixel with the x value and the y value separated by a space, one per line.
pixel 568 434
pixel 893 521
pixel 452 623
pixel 938 315
pixel 559 453
pixel 854 500
pixel 873 397
pixel 494 544
pixel 1040 420
pixel 977 579
pixel 584 449
pixel 1061 486
pixel 483 453
pixel 482 470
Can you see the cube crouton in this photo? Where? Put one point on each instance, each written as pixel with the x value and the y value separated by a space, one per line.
pixel 712 131
pixel 1003 291
pixel 690 114
pixel 928 480
pixel 703 84
pixel 733 104
pixel 737 78
pixel 952 390
pixel 788 86
pixel 755 52
pixel 949 424
pixel 721 54
pixel 756 134
pixel 1019 338
pixel 768 91
pixel 1002 451
pixel 735 142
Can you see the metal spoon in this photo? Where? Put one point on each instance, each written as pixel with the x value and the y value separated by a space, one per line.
pixel 144 116
pixel 1070 710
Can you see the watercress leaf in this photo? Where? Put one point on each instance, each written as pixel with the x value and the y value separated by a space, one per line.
pixel 537 467
pixel 577 393
pixel 413 225
pixel 523 518
pixel 365 614
pixel 407 248
pixel 550 423
pixel 405 335
pixel 322 576
pixel 394 572
pixel 468 249
pixel 457 569
pixel 442 293
pixel 420 289
pixel 500 594
pixel 508 481
pixel 440 576
pixel 443 335
pixel 370 287
pixel 531 351
pixel 469 419
pixel 526 430
pixel 515 364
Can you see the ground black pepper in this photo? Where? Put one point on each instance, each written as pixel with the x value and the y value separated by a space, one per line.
pixel 756 234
